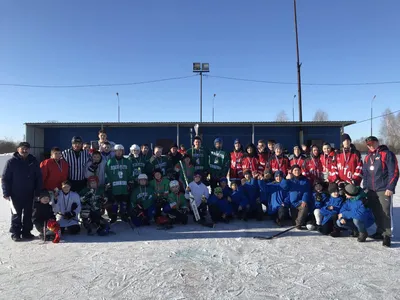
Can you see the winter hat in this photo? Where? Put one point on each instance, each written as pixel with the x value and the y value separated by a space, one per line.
pixel 236 141
pixel 218 140
pixel 93 178
pixel 333 188
pixel 278 173
pixel 318 187
pixel 223 180
pixel 44 193
pixel 351 190
pixel 218 190
pixel 345 136
pixel 295 166
pixel 24 144
pixel 278 146
pixel 174 145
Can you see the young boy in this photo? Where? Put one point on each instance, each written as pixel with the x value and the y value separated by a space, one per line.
pixel 106 151
pixel 354 215
pixel 139 163
pixel 319 200
pixel 176 207
pixel 92 201
pixel 158 161
pixel 220 207
pixel 119 174
pixel 252 192
pixel 330 210
pixel 226 190
pixel 96 166
pixel 240 203
pixel 142 202
pixel 200 194
pixel 68 206
pixel 42 213
pixel 278 207
pixel 160 188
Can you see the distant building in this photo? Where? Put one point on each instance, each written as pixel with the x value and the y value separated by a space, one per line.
pixel 44 136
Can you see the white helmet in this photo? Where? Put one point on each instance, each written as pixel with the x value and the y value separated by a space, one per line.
pixel 142 176
pixel 173 183
pixel 119 147
pixel 134 147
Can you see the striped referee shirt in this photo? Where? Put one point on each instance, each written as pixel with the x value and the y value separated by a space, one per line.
pixel 77 163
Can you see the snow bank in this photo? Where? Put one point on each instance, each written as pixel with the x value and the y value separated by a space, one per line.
pixel 3 160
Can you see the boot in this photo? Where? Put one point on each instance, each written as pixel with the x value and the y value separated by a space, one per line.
pixel 386 241
pixel 28 236
pixel 355 233
pixel 16 237
pixel 377 236
pixel 362 237
pixel 335 232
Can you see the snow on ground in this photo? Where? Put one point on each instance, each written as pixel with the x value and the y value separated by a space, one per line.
pixel 192 262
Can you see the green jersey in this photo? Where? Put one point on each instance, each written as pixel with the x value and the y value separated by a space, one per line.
pixel 178 199
pixel 189 171
pixel 119 173
pixel 92 199
pixel 139 166
pixel 219 161
pixel 160 188
pixel 199 158
pixel 142 195
pixel 160 163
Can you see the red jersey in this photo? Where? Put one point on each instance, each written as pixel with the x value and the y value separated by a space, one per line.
pixel 312 169
pixel 347 167
pixel 299 160
pixel 53 173
pixel 279 163
pixel 250 163
pixel 235 170
pixel 263 160
pixel 327 162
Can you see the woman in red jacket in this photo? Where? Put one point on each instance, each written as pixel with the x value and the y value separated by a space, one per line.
pixel 235 170
pixel 54 170
pixel 313 166
pixel 278 161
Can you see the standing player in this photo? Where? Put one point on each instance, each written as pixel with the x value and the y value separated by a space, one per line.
pixel 235 170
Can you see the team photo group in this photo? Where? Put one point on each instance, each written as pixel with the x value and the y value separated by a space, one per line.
pixel 90 187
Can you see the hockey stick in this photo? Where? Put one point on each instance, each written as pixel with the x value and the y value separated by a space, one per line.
pixel 191 197
pixel 44 232
pixel 13 210
pixel 259 237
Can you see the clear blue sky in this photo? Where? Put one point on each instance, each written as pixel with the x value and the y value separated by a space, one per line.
pixel 98 41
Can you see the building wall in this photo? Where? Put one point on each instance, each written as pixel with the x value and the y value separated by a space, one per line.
pixel 47 138
pixel 35 137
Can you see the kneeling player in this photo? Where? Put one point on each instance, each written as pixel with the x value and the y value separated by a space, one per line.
pixel 142 202
pixel 176 208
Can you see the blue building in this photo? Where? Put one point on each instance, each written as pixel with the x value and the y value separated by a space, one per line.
pixel 44 136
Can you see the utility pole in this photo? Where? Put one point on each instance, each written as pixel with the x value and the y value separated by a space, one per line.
pixel 200 68
pixel 372 111
pixel 298 63
pixel 213 107
pixel 118 109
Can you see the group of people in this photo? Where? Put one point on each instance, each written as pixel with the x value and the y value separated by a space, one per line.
pixel 92 186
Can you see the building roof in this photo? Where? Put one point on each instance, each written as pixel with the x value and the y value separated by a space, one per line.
pixel 189 124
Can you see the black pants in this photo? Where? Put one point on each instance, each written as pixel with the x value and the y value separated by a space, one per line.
pixel 21 222
pixel 256 212
pixel 327 228
pixel 78 185
pixel 282 213
pixel 73 229
pixel 39 225
pixel 179 216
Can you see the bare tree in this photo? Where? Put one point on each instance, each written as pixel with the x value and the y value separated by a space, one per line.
pixel 8 146
pixel 390 130
pixel 282 117
pixel 361 145
pixel 320 116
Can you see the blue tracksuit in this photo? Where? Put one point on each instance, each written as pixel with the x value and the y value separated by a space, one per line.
pixel 239 199
pixel 353 208
pixel 299 191
pixel 252 191
pixel 326 213
pixel 315 204
pixel 278 194
pixel 224 206
pixel 227 191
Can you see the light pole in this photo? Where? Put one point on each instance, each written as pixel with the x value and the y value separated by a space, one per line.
pixel 294 97
pixel 373 98
pixel 118 109
pixel 298 63
pixel 213 108
pixel 200 68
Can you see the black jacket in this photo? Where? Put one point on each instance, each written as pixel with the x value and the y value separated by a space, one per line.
pixel 42 212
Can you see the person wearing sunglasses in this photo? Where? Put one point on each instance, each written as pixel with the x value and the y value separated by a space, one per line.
pixel 381 173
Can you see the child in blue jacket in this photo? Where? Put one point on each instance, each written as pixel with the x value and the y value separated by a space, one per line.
pixel 330 210
pixel 251 190
pixel 220 207
pixel 226 190
pixel 240 203
pixel 319 200
pixel 353 214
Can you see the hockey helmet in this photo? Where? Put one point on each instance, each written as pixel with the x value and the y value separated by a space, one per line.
pixel 134 147
pixel 174 183
pixel 142 176
pixel 119 147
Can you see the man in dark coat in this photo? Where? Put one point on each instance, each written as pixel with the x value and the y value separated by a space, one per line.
pixel 21 183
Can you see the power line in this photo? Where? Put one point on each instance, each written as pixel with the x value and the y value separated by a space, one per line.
pixel 369 119
pixel 94 85
pixel 306 83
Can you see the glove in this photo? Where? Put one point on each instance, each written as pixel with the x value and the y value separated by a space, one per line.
pixel 93 168
pixel 318 197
